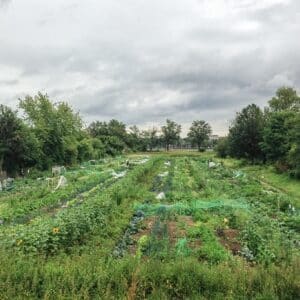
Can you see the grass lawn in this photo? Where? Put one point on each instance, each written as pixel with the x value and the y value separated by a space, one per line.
pixel 268 174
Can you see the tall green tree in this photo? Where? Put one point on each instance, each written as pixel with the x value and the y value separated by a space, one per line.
pixel 246 133
pixel 56 126
pixel 280 135
pixel 118 129
pixel 276 141
pixel 112 135
pixel 112 128
pixel 97 129
pixel 19 148
pixel 221 147
pixel 135 139
pixel 170 133
pixel 151 138
pixel 286 99
pixel 199 133
pixel 294 152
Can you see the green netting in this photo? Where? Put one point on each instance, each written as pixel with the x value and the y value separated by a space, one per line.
pixel 182 248
pixel 238 174
pixel 186 208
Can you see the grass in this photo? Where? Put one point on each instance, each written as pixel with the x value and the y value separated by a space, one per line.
pixel 268 174
pixel 214 235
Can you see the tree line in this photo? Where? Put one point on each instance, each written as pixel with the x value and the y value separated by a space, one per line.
pixel 44 133
pixel 271 135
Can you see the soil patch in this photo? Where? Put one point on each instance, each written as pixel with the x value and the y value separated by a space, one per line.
pixel 188 220
pixel 228 238
pixel 145 229
pixel 175 231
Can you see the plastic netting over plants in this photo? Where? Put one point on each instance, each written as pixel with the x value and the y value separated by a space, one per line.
pixel 182 248
pixel 186 208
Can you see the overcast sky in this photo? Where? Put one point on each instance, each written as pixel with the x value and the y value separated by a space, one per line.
pixel 142 61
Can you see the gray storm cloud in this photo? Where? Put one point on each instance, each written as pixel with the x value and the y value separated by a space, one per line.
pixel 4 2
pixel 145 61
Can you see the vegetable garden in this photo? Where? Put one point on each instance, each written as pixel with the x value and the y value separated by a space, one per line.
pixel 169 226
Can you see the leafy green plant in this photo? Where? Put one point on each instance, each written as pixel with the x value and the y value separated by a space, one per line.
pixel 210 249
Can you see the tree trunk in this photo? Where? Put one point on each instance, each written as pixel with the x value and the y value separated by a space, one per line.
pixel 199 147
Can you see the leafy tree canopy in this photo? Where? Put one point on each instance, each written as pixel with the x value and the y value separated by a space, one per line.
pixel 199 133
pixel 170 133
pixel 19 148
pixel 245 134
pixel 286 99
pixel 56 126
pixel 276 138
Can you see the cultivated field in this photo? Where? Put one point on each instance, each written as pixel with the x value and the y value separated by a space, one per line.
pixel 163 226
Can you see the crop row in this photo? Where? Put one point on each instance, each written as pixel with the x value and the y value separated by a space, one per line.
pixel 22 209
pixel 225 200
pixel 74 225
pixel 25 188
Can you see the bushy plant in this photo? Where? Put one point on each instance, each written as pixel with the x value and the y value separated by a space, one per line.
pixel 210 250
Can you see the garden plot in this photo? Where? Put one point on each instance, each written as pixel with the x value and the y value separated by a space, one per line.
pixel 173 227
pixel 34 203
pixel 126 240
pixel 167 236
pixel 170 224
pixel 152 228
pixel 229 238
pixel 162 183
pixel 183 184
pixel 73 226
pixel 138 160
pixel 216 234
pixel 219 205
pixel 262 211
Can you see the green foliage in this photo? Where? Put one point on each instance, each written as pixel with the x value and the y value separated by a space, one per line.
pixel 245 134
pixel 181 253
pixel 69 254
pixel 142 246
pixel 286 99
pixel 281 137
pixel 56 126
pixel 19 147
pixel 210 250
pixel 50 133
pixel 112 145
pixel 170 133
pixel 150 138
pixel 294 152
pixel 222 147
pixel 182 248
pixel 85 150
pixel 270 137
pixel 276 140
pixel 257 244
pixel 199 133
pixel 24 207
pixel 72 226
pixel 112 135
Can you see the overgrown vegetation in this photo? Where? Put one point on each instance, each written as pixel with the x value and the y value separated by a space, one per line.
pixel 271 136
pixel 170 225
pixel 174 226
pixel 51 133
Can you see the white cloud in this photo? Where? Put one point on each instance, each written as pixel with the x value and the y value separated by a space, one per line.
pixel 143 61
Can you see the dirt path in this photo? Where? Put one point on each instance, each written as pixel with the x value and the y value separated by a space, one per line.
pixel 134 284
pixel 270 186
